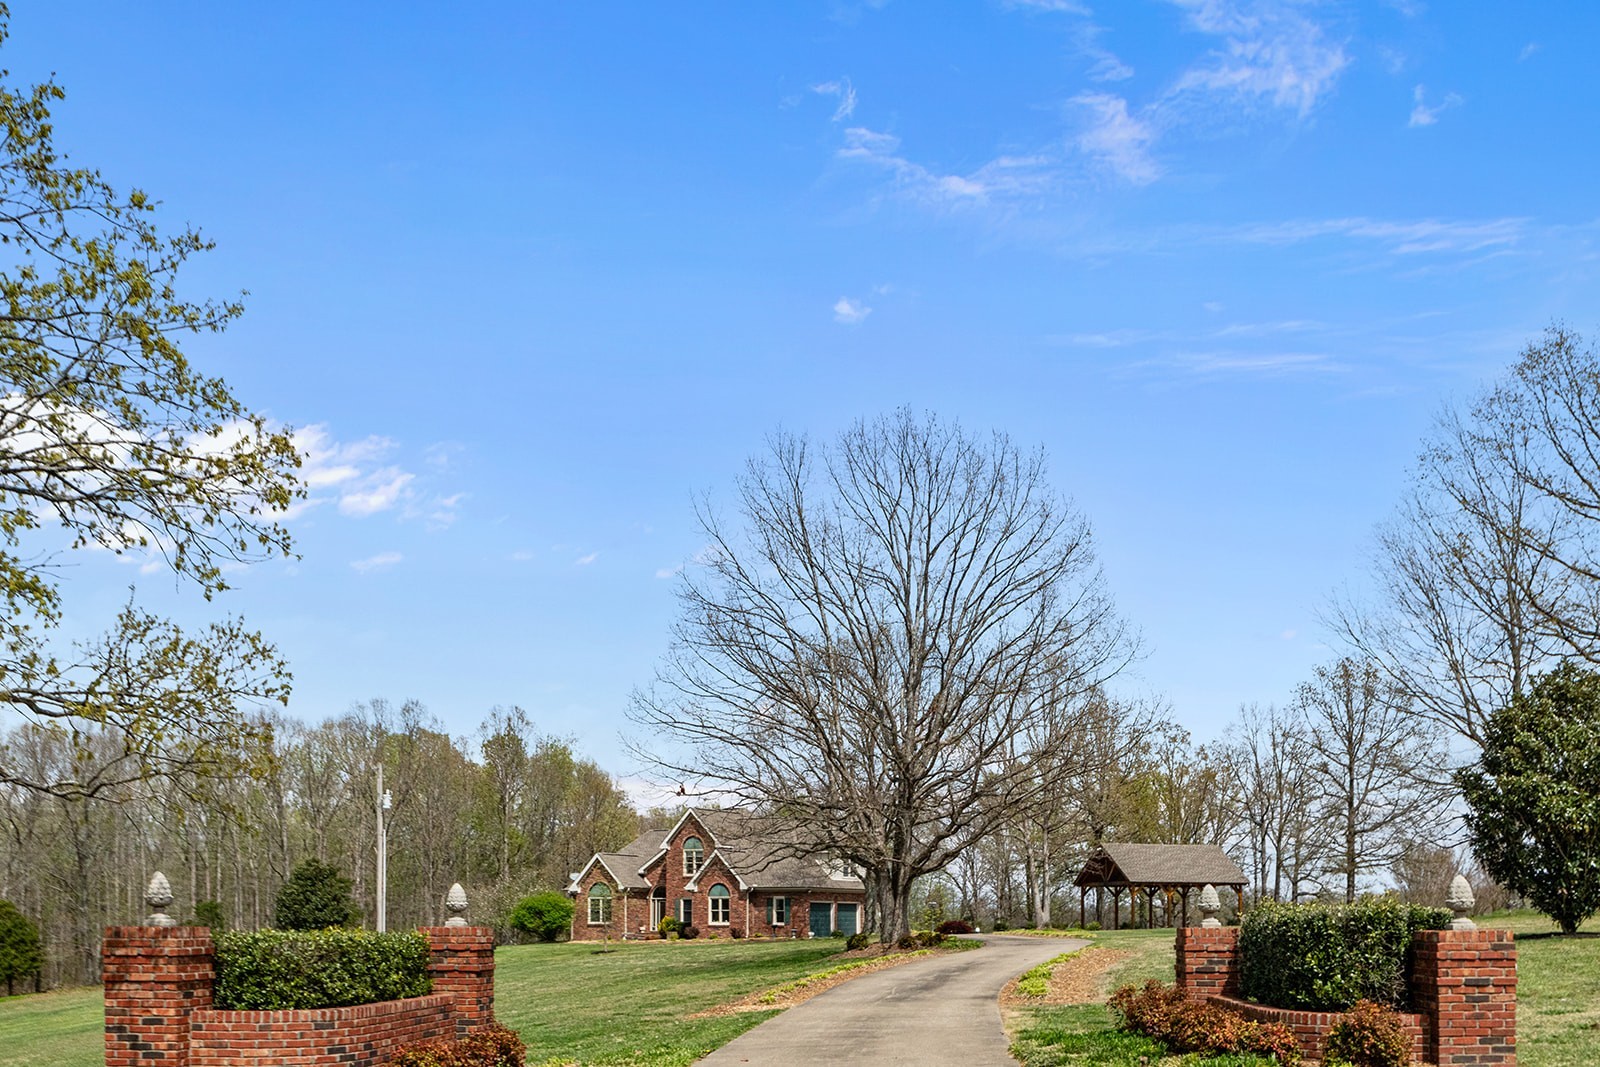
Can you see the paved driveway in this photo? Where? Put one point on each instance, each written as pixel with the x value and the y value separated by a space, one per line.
pixel 930 1012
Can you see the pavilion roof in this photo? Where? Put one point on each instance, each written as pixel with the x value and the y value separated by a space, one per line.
pixel 1122 863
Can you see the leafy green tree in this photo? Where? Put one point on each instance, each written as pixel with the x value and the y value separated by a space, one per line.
pixel 20 953
pixel 210 913
pixel 545 915
pixel 315 897
pixel 111 438
pixel 1534 797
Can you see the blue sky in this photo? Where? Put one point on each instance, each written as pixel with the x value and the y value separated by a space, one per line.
pixel 528 277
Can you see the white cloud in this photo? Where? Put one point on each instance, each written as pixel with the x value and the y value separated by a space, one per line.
pixel 847 312
pixel 1527 51
pixel 1213 306
pixel 1269 364
pixel 844 92
pixel 1070 7
pixel 378 562
pixel 522 555
pixel 669 572
pixel 380 491
pixel 1117 139
pixel 584 561
pixel 1270 50
pixel 1403 238
pixel 1422 114
pixel 1005 176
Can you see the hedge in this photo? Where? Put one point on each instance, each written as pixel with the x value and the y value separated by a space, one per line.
pixel 273 970
pixel 1316 957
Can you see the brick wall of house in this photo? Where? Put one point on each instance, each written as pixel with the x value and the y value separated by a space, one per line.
pixel 159 1010
pixel 627 911
pixel 714 873
pixel 1463 987
pixel 319 1037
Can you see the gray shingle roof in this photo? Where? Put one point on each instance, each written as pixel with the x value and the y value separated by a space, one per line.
pixel 1120 863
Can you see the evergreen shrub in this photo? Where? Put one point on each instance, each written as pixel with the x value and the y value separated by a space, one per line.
pixel 545 915
pixel 858 941
pixel 21 955
pixel 1370 1035
pixel 1317 957
pixel 315 897
pixel 274 970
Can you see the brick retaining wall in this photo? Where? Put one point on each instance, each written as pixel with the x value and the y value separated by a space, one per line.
pixel 159 1013
pixel 1463 985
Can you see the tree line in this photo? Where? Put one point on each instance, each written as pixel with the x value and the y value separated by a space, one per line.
pixel 505 812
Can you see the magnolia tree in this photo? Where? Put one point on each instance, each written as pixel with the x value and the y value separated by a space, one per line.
pixel 890 647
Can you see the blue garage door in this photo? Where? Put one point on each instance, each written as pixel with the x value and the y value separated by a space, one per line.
pixel 847 919
pixel 821 921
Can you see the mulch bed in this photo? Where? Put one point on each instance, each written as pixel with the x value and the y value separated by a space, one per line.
pixel 1077 981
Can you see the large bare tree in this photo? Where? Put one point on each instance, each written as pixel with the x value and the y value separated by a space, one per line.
pixel 886 647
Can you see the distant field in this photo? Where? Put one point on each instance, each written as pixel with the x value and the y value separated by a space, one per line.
pixel 1558 1002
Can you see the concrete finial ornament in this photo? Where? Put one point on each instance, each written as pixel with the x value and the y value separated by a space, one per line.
pixel 456 902
pixel 158 894
pixel 1209 906
pixel 1461 901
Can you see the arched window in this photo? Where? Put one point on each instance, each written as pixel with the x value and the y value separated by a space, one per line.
pixel 719 905
pixel 694 856
pixel 599 904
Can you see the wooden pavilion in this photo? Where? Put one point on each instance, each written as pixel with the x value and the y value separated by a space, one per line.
pixel 1156 872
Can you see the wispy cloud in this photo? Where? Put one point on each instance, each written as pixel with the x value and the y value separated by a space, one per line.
pixel 1422 114
pixel 848 312
pixel 1270 50
pixel 1268 364
pixel 1402 238
pixel 844 92
pixel 585 560
pixel 1003 178
pixel 1527 51
pixel 379 562
pixel 669 572
pixel 1070 7
pixel 1117 139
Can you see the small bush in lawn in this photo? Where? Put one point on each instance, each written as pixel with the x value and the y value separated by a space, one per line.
pixel 1162 1012
pixel 688 933
pixel 545 915
pixel 1318 958
pixel 21 952
pixel 839 934
pixel 954 926
pixel 1091 925
pixel 493 1046
pixel 929 939
pixel 907 942
pixel 1370 1035
pixel 669 925
pixel 272 970
pixel 858 941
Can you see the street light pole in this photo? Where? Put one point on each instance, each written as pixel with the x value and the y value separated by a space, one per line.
pixel 383 854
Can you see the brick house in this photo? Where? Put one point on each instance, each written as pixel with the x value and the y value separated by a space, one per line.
pixel 725 872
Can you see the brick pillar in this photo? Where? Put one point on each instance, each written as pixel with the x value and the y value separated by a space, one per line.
pixel 154 977
pixel 462 964
pixel 1208 961
pixel 1464 985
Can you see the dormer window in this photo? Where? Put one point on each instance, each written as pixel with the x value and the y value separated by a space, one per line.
pixel 694 856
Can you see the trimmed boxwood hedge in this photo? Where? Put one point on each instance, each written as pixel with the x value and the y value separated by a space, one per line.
pixel 1317 957
pixel 273 970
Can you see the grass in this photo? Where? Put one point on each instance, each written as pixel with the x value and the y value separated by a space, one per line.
pixel 1558 1004
pixel 571 1003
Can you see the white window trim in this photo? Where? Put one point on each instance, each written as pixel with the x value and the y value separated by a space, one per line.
pixel 687 872
pixel 711 906
pixel 772 910
pixel 594 899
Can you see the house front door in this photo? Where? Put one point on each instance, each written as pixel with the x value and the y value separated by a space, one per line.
pixel 658 911
pixel 821 920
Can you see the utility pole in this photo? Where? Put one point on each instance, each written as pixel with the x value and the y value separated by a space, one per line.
pixel 384 802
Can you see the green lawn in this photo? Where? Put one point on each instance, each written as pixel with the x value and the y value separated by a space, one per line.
pixel 1558 1003
pixel 570 1002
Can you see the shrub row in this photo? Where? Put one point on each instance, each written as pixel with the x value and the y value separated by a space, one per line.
pixel 1165 1014
pixel 1314 957
pixel 493 1046
pixel 273 970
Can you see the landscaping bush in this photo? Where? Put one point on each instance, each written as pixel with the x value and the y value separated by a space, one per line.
pixel 955 926
pixel 1091 926
pixel 669 925
pixel 858 941
pixel 1370 1035
pixel 1162 1012
pixel 907 942
pixel 493 1046
pixel 1319 958
pixel 315 897
pixel 21 955
pixel 277 969
pixel 688 933
pixel 929 938
pixel 546 915
pixel 1001 924
pixel 736 933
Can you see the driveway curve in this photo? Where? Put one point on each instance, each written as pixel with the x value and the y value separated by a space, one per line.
pixel 939 1011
